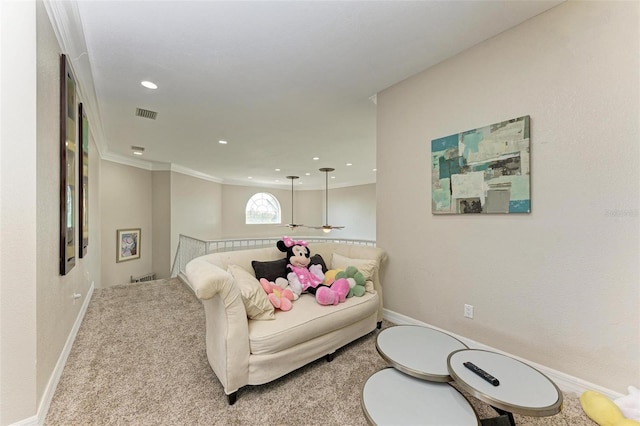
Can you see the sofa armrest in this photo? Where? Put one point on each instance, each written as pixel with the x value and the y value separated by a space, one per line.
pixel 207 280
pixel 227 327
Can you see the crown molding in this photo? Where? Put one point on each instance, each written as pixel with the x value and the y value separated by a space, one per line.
pixel 127 161
pixel 157 167
pixel 189 172
pixel 67 27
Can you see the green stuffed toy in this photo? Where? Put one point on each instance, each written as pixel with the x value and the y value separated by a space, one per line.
pixel 356 281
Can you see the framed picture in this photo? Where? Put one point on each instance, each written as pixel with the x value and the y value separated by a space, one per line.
pixel 484 170
pixel 68 142
pixel 83 176
pixel 128 244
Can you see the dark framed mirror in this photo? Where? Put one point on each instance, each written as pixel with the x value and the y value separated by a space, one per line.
pixel 67 167
pixel 83 187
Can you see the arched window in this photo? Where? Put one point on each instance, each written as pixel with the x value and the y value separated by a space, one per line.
pixel 262 208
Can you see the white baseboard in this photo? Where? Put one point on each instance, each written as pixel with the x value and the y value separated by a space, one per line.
pixel 565 382
pixel 43 408
pixel 31 421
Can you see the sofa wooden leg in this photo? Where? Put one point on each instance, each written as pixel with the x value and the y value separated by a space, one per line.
pixel 330 357
pixel 379 325
pixel 231 398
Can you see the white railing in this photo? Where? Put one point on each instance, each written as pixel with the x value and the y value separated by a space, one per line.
pixel 189 247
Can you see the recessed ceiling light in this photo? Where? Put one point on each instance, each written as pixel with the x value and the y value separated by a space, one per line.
pixel 307 174
pixel 149 85
pixel 333 177
pixel 137 153
pixel 249 177
pixel 277 170
pixel 375 170
pixel 223 142
pixel 349 164
pixel 316 158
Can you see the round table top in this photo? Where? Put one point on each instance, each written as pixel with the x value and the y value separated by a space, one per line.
pixel 390 397
pixel 522 389
pixel 418 351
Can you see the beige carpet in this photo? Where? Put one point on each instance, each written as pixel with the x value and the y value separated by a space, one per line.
pixel 139 359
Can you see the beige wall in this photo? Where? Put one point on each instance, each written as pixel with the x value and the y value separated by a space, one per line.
pixel 161 223
pixel 558 286
pixel 126 202
pixel 355 208
pixel 37 308
pixel 163 204
pixel 176 203
pixel 352 207
pixel 196 209
pixel 234 201
pixel 18 277
pixel 182 204
pixel 57 310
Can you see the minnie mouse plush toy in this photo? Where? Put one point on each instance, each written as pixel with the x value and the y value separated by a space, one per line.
pixel 303 277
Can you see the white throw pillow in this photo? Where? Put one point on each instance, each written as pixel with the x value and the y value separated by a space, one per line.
pixel 254 297
pixel 366 266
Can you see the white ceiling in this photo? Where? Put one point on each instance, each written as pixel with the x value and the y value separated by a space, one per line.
pixel 281 81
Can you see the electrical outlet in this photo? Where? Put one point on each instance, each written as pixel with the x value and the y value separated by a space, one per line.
pixel 468 311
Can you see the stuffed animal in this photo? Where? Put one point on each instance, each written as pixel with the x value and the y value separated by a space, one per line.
pixel 333 295
pixel 630 404
pixel 300 275
pixel 283 283
pixel 278 293
pixel 356 281
pixel 330 276
pixel 603 411
pixel 303 277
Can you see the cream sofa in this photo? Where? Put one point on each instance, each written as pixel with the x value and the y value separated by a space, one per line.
pixel 243 351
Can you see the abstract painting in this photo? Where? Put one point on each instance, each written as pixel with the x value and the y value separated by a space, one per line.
pixel 484 170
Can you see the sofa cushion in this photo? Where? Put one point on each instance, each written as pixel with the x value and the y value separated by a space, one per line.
pixel 270 270
pixel 278 268
pixel 316 259
pixel 366 266
pixel 254 297
pixel 307 320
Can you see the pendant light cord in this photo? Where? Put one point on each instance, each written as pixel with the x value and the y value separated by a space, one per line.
pixel 326 200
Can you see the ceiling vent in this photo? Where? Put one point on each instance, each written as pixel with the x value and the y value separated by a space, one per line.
pixel 145 113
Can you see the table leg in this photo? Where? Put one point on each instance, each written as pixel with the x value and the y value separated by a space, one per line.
pixel 504 418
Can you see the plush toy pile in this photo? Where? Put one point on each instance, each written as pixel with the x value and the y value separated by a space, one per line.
pixel 302 276
pixel 354 277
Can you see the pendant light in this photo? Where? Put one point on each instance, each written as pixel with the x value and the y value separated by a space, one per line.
pixel 326 228
pixel 292 225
